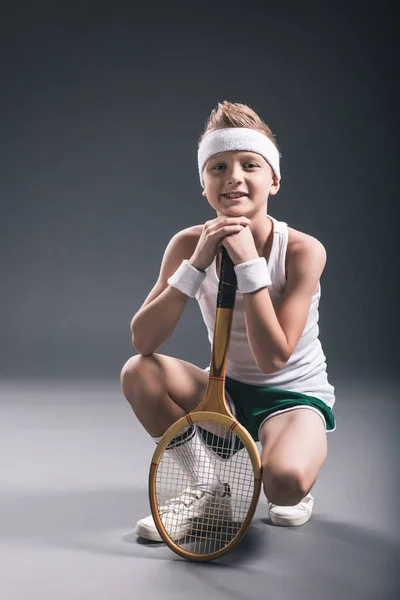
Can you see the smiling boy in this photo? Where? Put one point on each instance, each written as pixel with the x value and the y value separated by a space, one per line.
pixel 276 381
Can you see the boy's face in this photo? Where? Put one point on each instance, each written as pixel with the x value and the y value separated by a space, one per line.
pixel 238 170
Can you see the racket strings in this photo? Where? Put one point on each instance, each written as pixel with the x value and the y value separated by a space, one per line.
pixel 204 514
pixel 188 450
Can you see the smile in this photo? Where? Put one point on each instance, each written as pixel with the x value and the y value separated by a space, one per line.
pixel 234 196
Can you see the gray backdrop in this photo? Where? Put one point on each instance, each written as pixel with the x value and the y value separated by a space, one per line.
pixel 101 112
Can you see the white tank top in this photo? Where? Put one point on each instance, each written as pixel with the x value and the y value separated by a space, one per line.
pixel 306 369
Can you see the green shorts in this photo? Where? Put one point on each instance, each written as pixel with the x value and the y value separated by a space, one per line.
pixel 252 405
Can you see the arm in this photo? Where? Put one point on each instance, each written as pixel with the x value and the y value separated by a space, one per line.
pixel 274 334
pixel 158 316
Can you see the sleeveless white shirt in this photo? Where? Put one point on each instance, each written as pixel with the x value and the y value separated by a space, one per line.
pixel 306 369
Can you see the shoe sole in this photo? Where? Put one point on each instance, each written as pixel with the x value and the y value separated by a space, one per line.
pixel 285 522
pixel 148 534
pixel 153 535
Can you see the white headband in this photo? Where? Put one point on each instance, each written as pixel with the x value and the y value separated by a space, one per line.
pixel 238 138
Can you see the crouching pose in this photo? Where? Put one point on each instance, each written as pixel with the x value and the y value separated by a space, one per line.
pixel 276 379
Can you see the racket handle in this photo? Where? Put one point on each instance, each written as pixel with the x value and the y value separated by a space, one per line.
pixel 227 282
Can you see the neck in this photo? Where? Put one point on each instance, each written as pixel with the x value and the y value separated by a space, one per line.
pixel 261 229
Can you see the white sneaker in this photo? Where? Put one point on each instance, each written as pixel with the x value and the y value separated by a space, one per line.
pixel 179 513
pixel 292 515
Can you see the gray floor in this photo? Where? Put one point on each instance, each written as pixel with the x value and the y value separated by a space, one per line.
pixel 73 482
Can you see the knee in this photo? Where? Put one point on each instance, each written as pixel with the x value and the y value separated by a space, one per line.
pixel 285 485
pixel 141 376
pixel 128 370
pixel 138 365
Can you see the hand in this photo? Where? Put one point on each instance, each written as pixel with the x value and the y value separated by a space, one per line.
pixel 214 232
pixel 241 246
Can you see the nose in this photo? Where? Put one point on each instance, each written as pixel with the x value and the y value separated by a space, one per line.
pixel 234 174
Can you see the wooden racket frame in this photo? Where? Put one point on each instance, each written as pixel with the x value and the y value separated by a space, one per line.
pixel 214 406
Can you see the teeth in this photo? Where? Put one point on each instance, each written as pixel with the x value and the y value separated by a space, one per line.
pixel 233 195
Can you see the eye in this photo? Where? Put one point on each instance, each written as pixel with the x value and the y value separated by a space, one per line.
pixel 247 165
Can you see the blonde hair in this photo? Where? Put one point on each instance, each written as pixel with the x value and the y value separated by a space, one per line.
pixel 230 114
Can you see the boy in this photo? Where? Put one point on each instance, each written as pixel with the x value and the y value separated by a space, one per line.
pixel 276 382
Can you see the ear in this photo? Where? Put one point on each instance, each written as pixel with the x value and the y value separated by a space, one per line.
pixel 203 193
pixel 275 186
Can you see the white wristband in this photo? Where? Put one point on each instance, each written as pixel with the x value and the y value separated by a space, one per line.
pixel 252 275
pixel 187 279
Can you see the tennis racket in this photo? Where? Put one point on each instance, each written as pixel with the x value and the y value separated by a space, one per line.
pixel 197 524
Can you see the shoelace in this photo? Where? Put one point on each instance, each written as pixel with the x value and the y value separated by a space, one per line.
pixel 176 504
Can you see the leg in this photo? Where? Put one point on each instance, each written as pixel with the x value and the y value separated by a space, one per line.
pixel 294 448
pixel 162 389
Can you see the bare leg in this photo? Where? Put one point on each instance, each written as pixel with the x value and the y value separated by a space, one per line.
pixel 294 448
pixel 161 389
